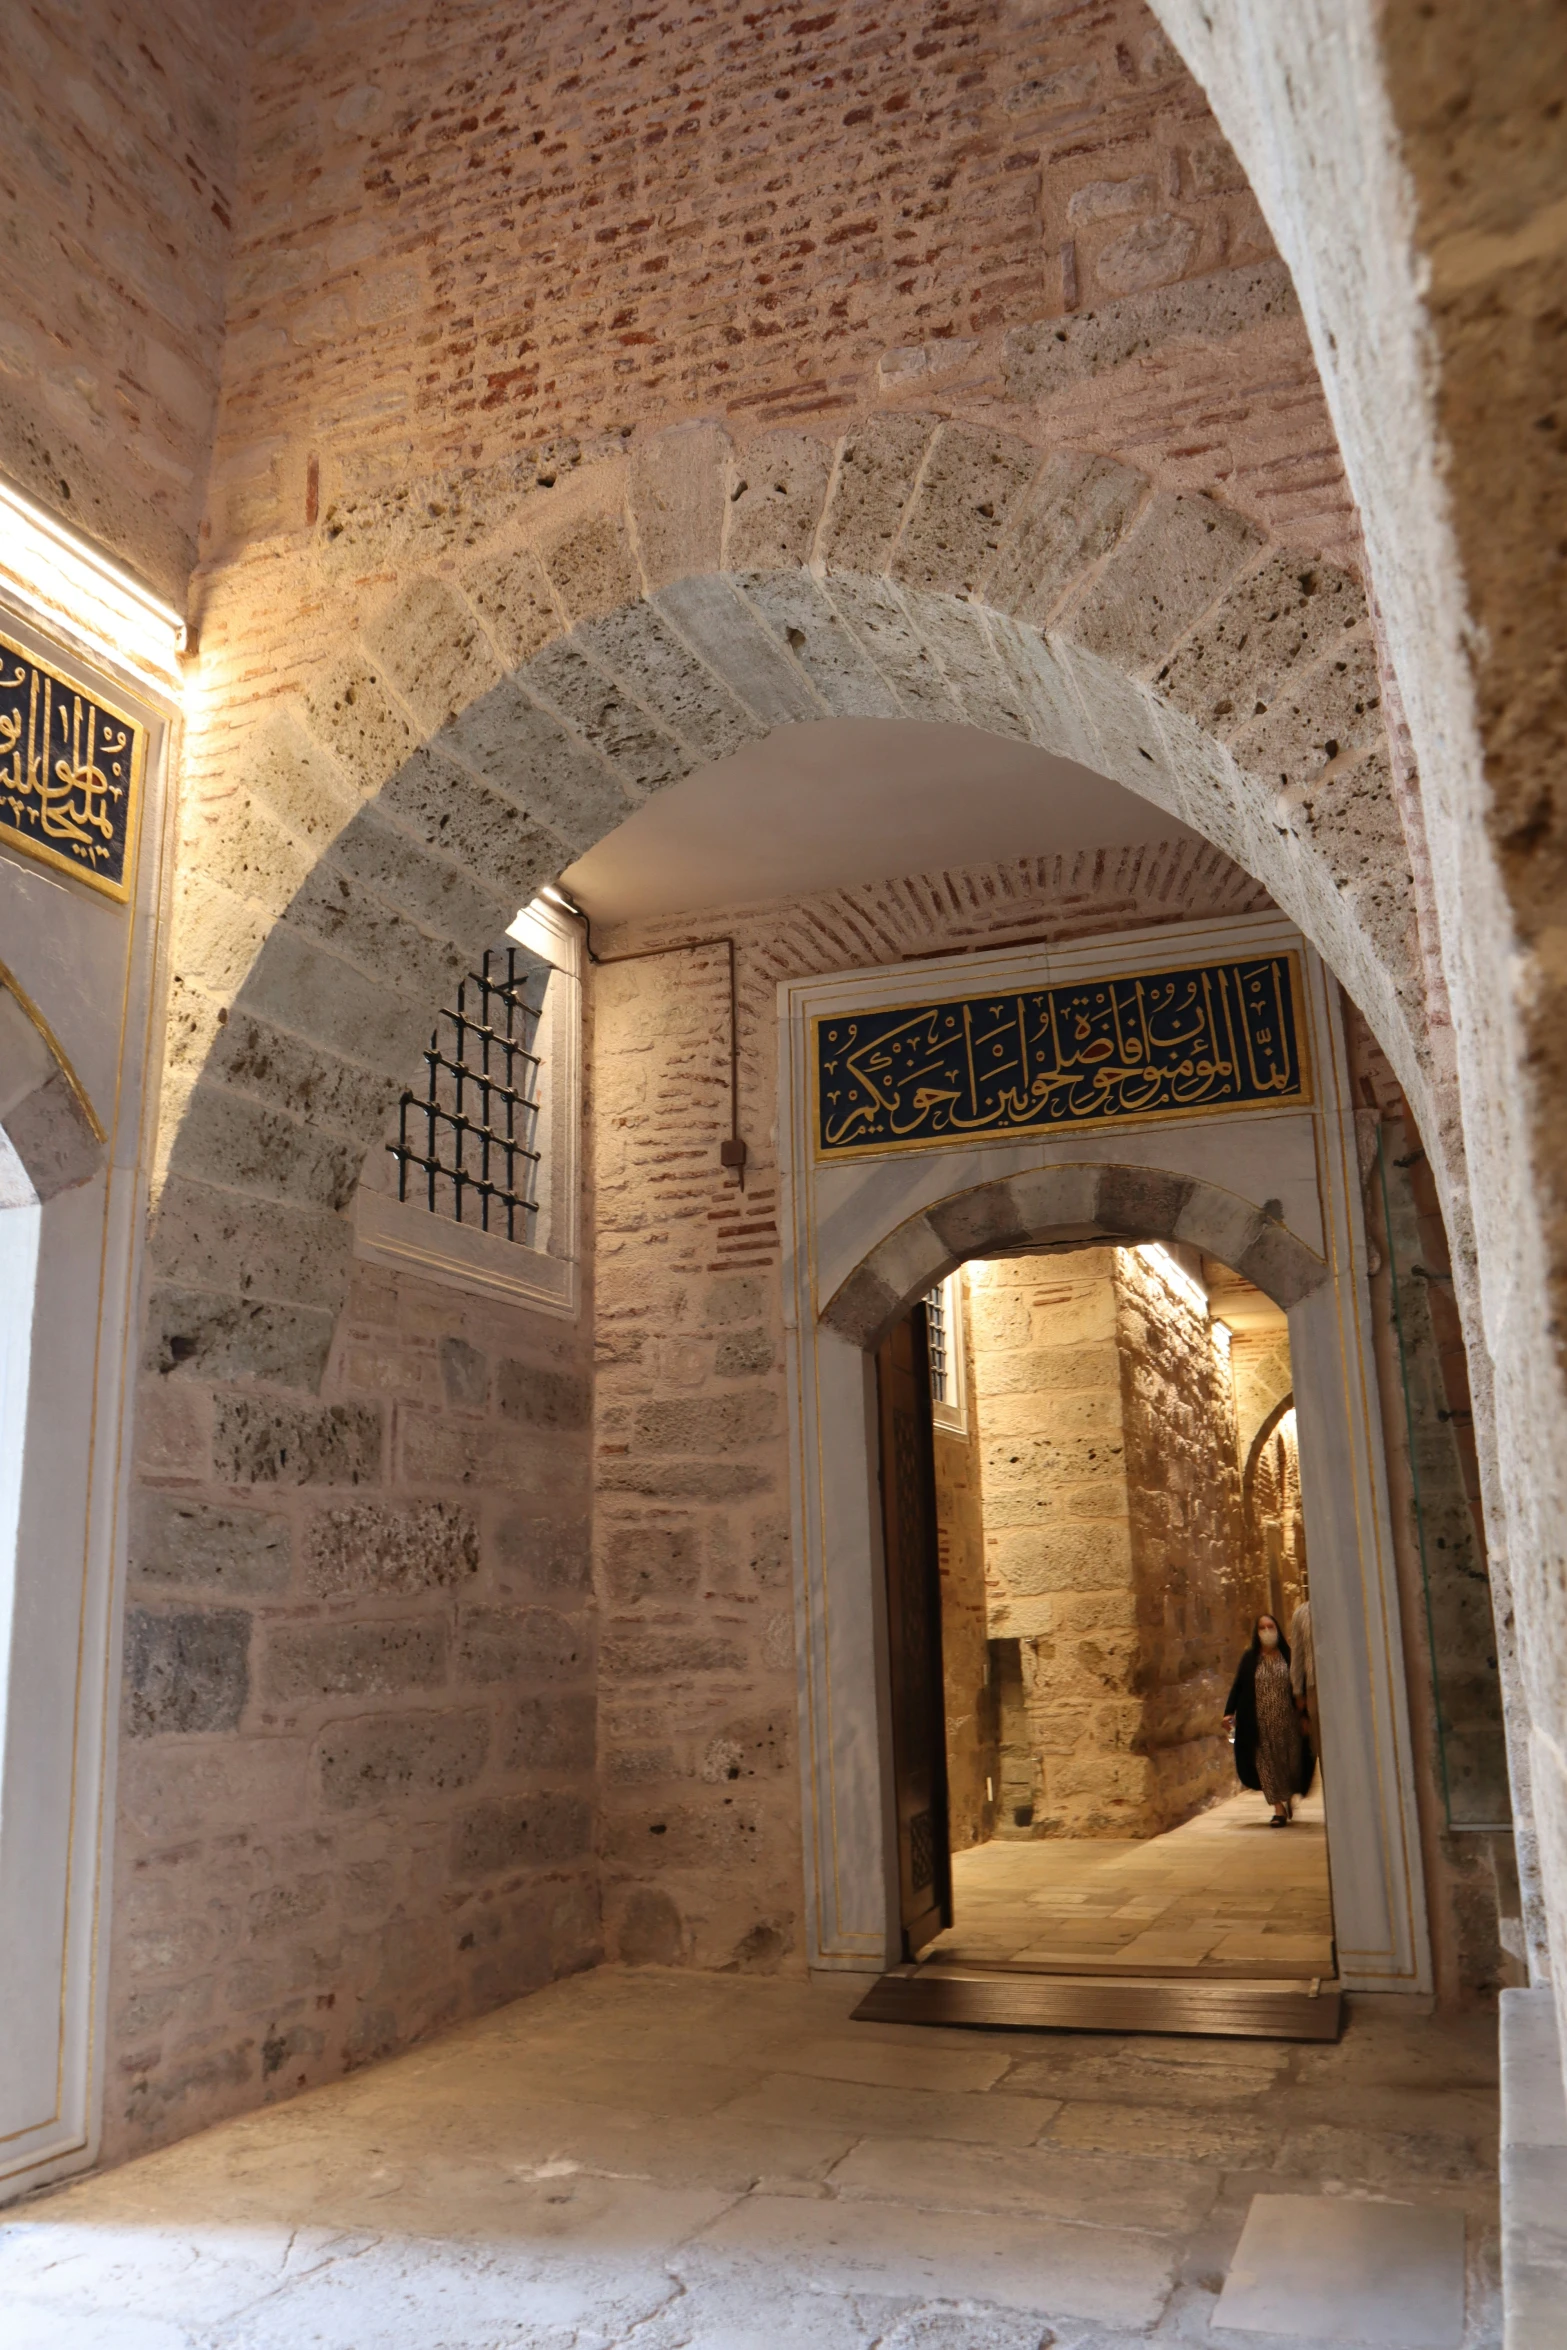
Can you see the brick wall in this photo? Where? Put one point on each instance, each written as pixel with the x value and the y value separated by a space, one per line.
pixel 487 236
pixel 357 1765
pixel 117 191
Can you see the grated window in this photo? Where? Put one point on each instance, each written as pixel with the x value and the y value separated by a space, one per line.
pixel 467 1144
pixel 939 1338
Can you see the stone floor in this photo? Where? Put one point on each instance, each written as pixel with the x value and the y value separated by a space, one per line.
pixel 663 2161
pixel 1226 1893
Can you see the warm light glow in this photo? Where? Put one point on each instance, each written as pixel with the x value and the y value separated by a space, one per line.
pixel 1221 1340
pixel 1174 1275
pixel 61 580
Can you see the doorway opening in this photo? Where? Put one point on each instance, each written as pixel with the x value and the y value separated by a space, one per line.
pixel 1091 1495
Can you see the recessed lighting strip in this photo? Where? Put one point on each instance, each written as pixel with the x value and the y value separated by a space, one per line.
pixel 63 581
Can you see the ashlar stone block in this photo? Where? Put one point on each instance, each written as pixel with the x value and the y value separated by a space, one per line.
pixel 203 1546
pixel 374 1759
pixel 186 1671
pixel 522 1645
pixel 521 1832
pixel 557 1732
pixel 1055 354
pixel 375 1548
pixel 312 1661
pixel 259 1441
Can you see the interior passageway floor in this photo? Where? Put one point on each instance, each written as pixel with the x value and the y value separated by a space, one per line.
pixel 1225 1895
pixel 697 2162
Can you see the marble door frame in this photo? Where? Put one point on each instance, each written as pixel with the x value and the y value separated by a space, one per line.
pixel 861 1239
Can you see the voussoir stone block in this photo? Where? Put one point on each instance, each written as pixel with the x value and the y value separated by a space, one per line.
pixel 186 1671
pixel 336 910
pixel 1283 1267
pixel 513 597
pixel 954 521
pixel 525 752
pixel 729 638
pixel 802 620
pixel 248 1247
pixel 1173 563
pixel 643 754
pixel 521 1832
pixel 206 1546
pixel 640 650
pixel 430 889
pixel 446 807
pixel 679 483
pixel 865 1307
pixel 1078 508
pixel 979 1222
pixel 877 468
pixel 382 1549
pixel 375 1759
pixel 777 490
pixel 432 643
pixel 1334 706
pixel 983 686
pixel 302 985
pixel 1275 620
pixel 250 1146
pixel 351 712
pixel 886 629
pixel 257 1441
pixel 1143 1202
pixel 592 567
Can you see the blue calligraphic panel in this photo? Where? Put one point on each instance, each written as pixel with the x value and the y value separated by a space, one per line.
pixel 1156 1044
pixel 70 773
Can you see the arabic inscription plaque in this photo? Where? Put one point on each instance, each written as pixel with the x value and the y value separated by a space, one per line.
pixel 1156 1044
pixel 70 773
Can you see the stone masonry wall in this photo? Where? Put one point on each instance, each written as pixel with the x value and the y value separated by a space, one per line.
pixel 1113 1534
pixel 700 1784
pixel 1196 1595
pixel 357 1767
pixel 117 189
pixel 970 1699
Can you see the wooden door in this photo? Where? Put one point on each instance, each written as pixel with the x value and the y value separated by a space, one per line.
pixel 919 1742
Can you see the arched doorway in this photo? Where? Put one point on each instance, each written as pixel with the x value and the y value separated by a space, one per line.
pixel 1272 1191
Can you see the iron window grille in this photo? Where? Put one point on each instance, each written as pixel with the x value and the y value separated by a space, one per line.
pixel 939 1340
pixel 467 1145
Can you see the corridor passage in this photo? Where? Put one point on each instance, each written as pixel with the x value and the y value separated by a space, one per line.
pixel 660 2161
pixel 1224 1894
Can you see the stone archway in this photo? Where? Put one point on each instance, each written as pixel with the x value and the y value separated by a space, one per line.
pixel 506 684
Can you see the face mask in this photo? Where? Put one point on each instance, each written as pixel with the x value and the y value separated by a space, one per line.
pixel 1268 1637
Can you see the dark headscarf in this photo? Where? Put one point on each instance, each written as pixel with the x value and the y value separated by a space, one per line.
pixel 1242 1703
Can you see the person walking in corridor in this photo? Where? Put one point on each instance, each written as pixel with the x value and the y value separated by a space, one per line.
pixel 1271 1750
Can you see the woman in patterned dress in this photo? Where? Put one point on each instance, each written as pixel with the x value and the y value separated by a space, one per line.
pixel 1272 1751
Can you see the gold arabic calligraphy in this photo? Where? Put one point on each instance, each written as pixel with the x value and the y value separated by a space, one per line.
pixel 67 770
pixel 1158 1044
